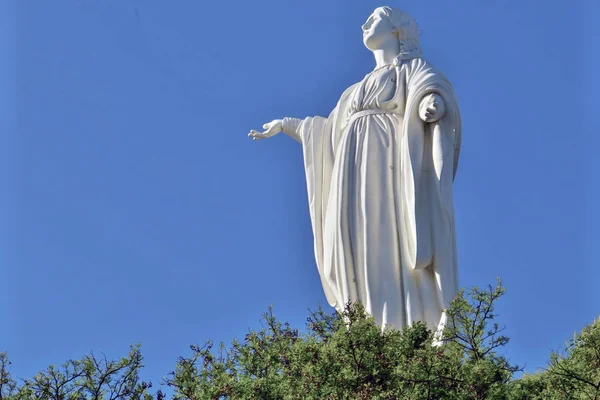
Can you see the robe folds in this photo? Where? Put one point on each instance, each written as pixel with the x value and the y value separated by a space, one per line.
pixel 379 183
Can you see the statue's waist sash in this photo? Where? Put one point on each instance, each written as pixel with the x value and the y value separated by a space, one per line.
pixel 372 111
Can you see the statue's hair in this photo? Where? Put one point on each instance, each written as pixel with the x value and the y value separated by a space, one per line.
pixel 408 30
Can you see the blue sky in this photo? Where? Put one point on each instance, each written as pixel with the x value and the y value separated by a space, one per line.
pixel 136 210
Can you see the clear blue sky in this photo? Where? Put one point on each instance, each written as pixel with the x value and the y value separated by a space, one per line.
pixel 135 209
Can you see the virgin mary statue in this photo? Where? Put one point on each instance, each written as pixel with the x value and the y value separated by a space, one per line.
pixel 379 172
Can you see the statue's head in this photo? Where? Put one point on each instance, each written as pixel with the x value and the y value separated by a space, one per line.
pixel 388 23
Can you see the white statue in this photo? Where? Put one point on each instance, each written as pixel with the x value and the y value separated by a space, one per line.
pixel 379 172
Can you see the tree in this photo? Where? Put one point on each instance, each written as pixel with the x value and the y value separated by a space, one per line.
pixel 339 356
pixel 573 374
pixel 8 385
pixel 91 378
pixel 348 357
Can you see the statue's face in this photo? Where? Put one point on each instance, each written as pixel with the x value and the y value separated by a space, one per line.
pixel 377 30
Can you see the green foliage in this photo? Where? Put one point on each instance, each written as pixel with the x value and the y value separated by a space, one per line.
pixel 473 337
pixel 578 371
pixel 88 378
pixel 573 375
pixel 348 357
pixel 343 356
pixel 8 385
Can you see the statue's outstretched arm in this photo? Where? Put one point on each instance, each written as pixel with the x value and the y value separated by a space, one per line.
pixel 289 126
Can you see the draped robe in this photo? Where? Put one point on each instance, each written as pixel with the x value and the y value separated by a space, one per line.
pixel 379 183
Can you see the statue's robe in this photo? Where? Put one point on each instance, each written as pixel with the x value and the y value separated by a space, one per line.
pixel 380 194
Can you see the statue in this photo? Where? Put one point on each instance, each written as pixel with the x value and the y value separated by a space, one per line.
pixel 379 172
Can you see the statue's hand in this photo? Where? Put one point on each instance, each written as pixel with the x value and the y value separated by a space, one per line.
pixel 271 129
pixel 432 108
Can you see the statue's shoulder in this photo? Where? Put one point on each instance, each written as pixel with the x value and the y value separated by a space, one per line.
pixel 422 71
pixel 347 93
pixel 349 90
pixel 419 65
